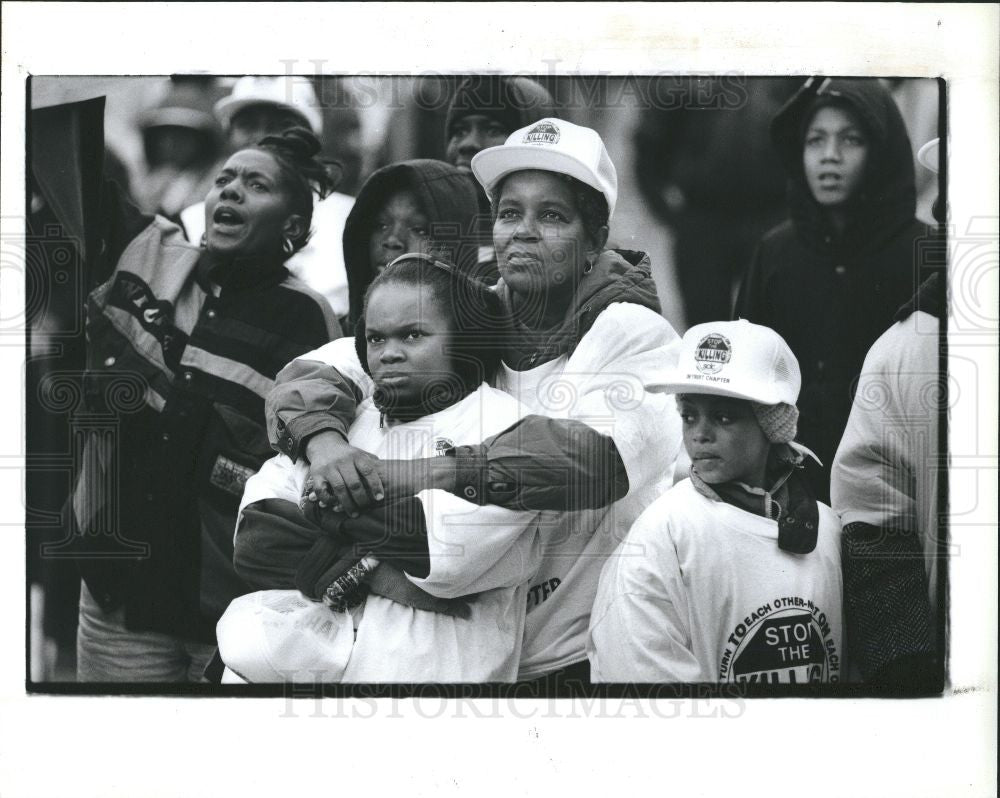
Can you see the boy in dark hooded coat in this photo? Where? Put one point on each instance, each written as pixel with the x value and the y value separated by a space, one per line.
pixel 830 278
pixel 438 213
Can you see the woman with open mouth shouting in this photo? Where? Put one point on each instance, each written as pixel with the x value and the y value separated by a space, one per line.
pixel 183 346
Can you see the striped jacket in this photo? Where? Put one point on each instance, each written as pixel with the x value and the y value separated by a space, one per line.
pixel 181 353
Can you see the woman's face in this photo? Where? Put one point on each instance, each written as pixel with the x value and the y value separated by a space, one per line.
pixel 834 156
pixel 541 243
pixel 248 210
pixel 407 333
pixel 400 227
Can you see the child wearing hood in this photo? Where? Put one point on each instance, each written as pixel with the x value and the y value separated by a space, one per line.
pixel 422 206
pixel 733 575
pixel 830 278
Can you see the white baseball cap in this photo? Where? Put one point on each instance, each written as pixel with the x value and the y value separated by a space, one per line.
pixel 289 92
pixel 551 145
pixel 734 358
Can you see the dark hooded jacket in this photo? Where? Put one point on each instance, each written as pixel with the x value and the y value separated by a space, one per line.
pixel 444 194
pixel 831 295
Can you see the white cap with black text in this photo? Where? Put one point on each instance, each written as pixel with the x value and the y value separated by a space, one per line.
pixel 551 145
pixel 738 359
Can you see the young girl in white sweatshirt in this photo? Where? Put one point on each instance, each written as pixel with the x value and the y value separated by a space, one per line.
pixel 425 588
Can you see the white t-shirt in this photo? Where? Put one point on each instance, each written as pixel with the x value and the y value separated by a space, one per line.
pixel 487 552
pixel 320 263
pixel 700 592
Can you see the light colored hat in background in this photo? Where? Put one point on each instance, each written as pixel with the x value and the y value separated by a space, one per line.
pixel 928 155
pixel 289 92
pixel 185 103
pixel 551 145
pixel 738 359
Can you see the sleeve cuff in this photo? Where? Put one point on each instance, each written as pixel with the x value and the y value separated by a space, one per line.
pixel 471 474
pixel 291 437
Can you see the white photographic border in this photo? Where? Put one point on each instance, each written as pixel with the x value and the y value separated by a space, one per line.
pixel 131 746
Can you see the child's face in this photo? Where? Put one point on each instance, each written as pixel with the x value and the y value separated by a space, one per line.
pixel 723 439
pixel 400 227
pixel 407 331
pixel 834 156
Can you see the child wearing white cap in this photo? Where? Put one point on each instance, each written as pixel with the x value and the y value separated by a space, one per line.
pixel 734 574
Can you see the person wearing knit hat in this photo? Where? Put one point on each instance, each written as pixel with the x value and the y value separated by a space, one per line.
pixel 484 111
pixel 745 519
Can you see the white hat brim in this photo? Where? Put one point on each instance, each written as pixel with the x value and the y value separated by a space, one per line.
pixel 672 384
pixel 495 163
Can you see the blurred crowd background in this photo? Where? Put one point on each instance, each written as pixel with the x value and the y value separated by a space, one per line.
pixel 699 183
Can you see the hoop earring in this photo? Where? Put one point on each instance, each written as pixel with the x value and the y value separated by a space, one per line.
pixel 287 246
pixel 589 267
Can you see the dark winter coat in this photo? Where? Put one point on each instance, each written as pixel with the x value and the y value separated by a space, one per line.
pixel 831 295
pixel 167 421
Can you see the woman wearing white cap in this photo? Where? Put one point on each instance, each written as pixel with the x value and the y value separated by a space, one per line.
pixel 596 449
